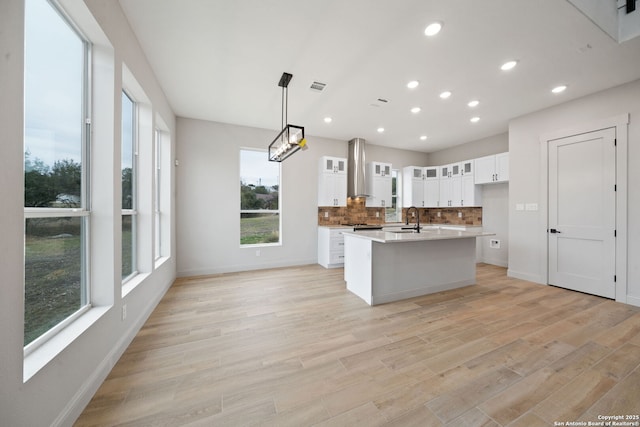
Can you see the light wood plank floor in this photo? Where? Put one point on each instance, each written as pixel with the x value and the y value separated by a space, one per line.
pixel 292 347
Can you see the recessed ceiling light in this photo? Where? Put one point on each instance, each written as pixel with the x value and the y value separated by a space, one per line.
pixel 508 65
pixel 328 119
pixel 473 103
pixel 413 84
pixel 474 119
pixel 433 29
pixel 559 89
pixel 380 130
pixel 415 110
pixel 423 137
pixel 445 94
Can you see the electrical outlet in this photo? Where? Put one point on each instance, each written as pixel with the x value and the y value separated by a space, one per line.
pixel 326 214
pixel 459 214
pixel 124 312
pixel 494 243
pixel 413 214
pixel 439 214
pixel 377 214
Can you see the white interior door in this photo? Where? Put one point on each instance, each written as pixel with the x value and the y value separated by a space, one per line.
pixel 582 209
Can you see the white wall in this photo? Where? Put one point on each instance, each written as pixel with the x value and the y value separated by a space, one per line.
pixel 398 158
pixel 527 235
pixel 495 219
pixel 57 393
pixel 208 177
pixel 471 150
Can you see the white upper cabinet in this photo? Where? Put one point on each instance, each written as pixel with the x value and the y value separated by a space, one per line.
pixel 332 182
pixel 421 186
pixel 467 167
pixel 379 184
pixel 492 169
pixel 412 186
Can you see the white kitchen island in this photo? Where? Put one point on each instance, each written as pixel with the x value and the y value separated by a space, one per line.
pixel 384 266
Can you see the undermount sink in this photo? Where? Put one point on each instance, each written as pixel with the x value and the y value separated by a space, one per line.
pixel 413 230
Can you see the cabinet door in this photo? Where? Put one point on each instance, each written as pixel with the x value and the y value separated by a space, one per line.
pixel 470 194
pixel 340 188
pixel 445 171
pixel 502 167
pixel 455 170
pixel 340 166
pixel 386 169
pixel 431 193
pixel 466 168
pixel 455 191
pixel 485 169
pixel 431 173
pixel 328 163
pixel 412 186
pixel 445 192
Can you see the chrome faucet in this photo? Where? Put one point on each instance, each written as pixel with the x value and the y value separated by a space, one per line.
pixel 417 218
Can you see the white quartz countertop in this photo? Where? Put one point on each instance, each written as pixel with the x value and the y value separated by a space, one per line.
pixel 426 233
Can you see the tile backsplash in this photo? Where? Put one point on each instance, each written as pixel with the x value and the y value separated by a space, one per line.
pixel 470 215
pixel 356 212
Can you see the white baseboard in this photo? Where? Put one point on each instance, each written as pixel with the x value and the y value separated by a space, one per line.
pixel 633 301
pixel 237 268
pixel 526 276
pixel 498 262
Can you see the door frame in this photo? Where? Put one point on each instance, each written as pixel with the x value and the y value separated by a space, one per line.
pixel 620 124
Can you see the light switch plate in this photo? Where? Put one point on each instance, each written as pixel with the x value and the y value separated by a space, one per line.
pixel 531 207
pixel 519 206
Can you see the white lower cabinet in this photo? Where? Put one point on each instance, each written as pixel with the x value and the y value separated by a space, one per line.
pixel 331 246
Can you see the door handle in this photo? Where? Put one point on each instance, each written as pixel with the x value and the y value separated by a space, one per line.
pixel 554 231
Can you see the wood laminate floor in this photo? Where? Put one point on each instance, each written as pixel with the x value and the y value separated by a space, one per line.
pixel 292 347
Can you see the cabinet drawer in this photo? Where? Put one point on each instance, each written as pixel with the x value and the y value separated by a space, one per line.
pixel 336 257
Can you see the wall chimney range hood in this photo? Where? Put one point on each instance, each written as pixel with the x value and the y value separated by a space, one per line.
pixel 356 171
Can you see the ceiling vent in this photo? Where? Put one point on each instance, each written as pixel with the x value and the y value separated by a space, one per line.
pixel 317 86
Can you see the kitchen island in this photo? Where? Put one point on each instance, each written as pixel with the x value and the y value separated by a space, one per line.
pixel 384 266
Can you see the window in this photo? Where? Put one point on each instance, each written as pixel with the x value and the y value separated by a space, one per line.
pixel 157 168
pixel 259 198
pixel 129 196
pixel 394 212
pixel 56 195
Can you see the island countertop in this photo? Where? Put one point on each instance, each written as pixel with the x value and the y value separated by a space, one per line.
pixel 426 233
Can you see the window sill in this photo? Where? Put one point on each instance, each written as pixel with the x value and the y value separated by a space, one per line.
pixel 44 354
pixel 260 245
pixel 158 262
pixel 132 283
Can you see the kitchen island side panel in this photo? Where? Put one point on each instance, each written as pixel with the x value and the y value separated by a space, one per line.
pixel 413 269
pixel 358 270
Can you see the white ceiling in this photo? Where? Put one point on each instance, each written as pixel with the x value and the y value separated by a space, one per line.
pixel 221 60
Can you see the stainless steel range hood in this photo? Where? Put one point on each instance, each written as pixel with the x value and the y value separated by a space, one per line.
pixel 356 171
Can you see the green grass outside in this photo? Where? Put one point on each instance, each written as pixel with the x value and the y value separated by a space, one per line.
pixel 52 282
pixel 259 228
pixel 53 257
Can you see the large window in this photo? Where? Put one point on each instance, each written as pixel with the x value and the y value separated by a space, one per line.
pixel 259 198
pixel 56 206
pixel 157 177
pixel 129 187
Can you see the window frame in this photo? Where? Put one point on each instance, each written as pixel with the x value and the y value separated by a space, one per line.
pixel 133 212
pixel 253 211
pixel 84 211
pixel 397 215
pixel 157 192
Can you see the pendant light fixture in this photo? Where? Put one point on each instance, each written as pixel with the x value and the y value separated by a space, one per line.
pixel 291 138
